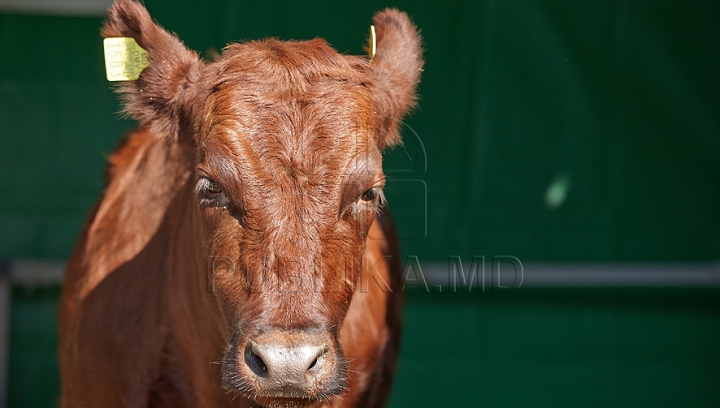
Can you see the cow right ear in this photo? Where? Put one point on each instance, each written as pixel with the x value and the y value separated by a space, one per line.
pixel 161 98
pixel 396 69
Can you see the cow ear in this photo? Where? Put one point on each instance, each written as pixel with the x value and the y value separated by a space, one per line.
pixel 161 98
pixel 396 69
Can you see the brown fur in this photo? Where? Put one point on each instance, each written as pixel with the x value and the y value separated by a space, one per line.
pixel 242 207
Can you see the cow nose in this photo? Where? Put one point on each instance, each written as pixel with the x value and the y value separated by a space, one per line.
pixel 289 371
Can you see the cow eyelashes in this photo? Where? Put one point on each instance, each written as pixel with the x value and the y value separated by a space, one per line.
pixel 210 193
pixel 372 196
pixel 368 195
pixel 212 187
pixel 208 186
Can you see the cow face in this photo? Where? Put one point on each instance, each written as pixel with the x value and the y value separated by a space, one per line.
pixel 289 181
pixel 287 139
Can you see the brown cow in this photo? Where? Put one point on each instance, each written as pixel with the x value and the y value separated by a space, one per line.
pixel 232 259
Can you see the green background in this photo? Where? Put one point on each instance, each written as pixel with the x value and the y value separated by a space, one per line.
pixel 621 98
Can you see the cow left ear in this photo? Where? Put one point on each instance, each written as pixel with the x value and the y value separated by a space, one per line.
pixel 161 98
pixel 396 68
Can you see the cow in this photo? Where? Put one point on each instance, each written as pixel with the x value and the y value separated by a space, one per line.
pixel 241 253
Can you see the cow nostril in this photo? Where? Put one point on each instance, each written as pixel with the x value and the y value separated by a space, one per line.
pixel 255 362
pixel 313 363
pixel 319 357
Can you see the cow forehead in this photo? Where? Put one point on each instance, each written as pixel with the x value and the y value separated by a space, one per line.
pixel 291 108
pixel 294 138
pixel 308 162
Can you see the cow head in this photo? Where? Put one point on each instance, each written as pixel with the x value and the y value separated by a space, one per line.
pixel 286 138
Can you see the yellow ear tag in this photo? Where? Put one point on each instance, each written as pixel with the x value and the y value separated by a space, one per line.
pixel 373 43
pixel 124 59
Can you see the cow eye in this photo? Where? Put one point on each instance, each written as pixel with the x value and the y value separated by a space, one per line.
pixel 369 195
pixel 210 193
pixel 212 187
pixel 371 199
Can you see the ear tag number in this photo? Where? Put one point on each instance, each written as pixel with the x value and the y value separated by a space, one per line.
pixel 124 59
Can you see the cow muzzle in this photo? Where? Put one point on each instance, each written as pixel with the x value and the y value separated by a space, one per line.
pixel 298 365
